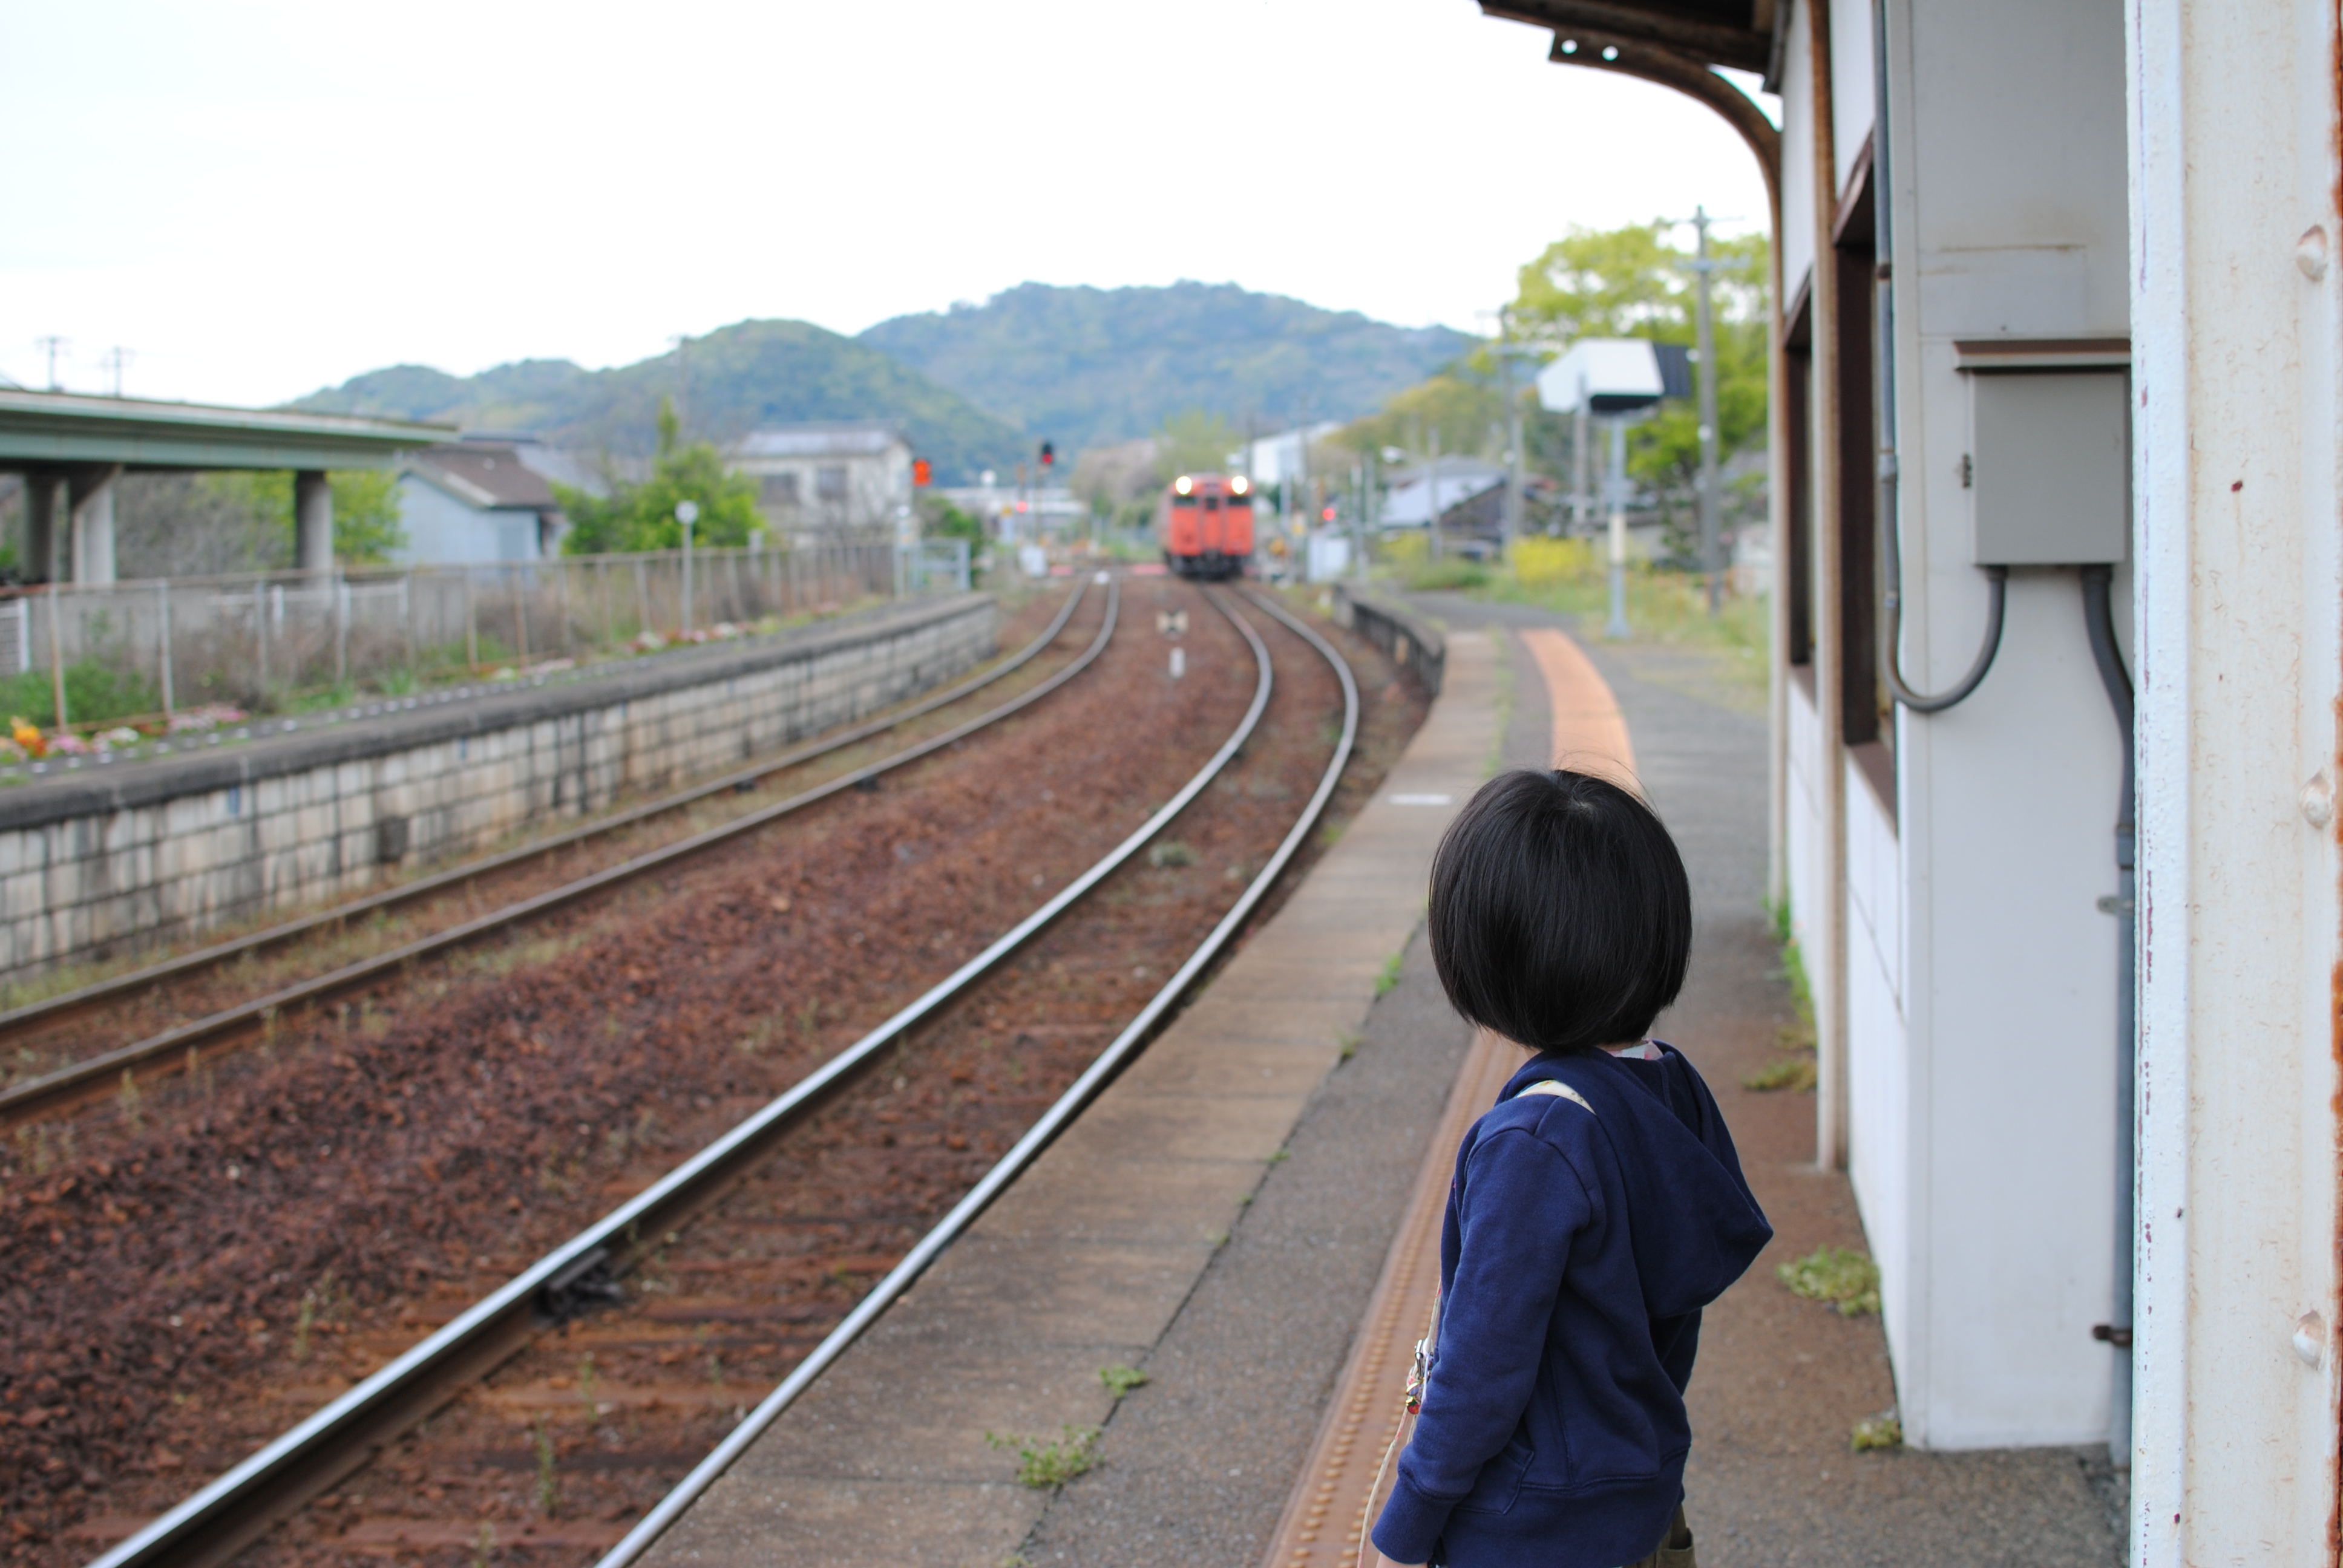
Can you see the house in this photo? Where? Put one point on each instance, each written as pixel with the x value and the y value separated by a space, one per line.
pixel 2057 333
pixel 475 500
pixel 829 480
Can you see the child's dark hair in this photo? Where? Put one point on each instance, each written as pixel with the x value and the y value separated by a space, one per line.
pixel 1560 917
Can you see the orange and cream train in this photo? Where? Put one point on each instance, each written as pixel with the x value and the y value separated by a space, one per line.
pixel 1207 525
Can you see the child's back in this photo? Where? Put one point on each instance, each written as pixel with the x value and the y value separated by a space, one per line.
pixel 1595 1210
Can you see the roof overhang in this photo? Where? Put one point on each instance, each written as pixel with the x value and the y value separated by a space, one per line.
pixel 1675 44
pixel 66 427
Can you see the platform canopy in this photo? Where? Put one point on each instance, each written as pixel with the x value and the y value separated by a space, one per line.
pixel 42 429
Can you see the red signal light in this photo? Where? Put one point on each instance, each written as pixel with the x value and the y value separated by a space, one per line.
pixel 921 472
pixel 1049 455
pixel 1326 516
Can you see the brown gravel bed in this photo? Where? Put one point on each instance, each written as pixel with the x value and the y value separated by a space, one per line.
pixel 208 1265
pixel 142 1014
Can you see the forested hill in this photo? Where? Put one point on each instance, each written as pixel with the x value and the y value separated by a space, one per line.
pixel 1084 365
pixel 727 384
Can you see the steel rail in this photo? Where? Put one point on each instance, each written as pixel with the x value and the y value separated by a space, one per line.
pixel 216 1522
pixel 33 1096
pixel 46 1013
pixel 1037 1137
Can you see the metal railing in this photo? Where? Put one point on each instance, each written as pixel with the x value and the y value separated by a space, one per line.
pixel 252 640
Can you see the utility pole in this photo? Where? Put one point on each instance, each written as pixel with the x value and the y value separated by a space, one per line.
pixel 1431 489
pixel 1614 485
pixel 1512 526
pixel 1581 464
pixel 1706 334
pixel 52 346
pixel 113 359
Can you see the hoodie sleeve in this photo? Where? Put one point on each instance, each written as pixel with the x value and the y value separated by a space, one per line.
pixel 1524 1205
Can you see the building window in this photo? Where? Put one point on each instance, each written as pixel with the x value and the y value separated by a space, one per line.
pixel 1797 559
pixel 778 490
pixel 829 484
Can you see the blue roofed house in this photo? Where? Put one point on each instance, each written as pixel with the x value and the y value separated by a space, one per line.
pixel 475 500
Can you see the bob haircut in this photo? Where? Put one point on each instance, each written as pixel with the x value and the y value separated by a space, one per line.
pixel 1561 916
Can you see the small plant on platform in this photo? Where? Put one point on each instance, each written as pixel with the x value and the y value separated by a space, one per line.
pixel 1170 852
pixel 1388 981
pixel 1121 1379
pixel 1794 1070
pixel 1349 1043
pixel 1047 1463
pixel 1884 1430
pixel 1840 1276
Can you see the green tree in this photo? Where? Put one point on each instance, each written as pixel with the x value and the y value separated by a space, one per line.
pixel 1633 282
pixel 1194 442
pixel 367 528
pixel 1461 407
pixel 940 519
pixel 642 517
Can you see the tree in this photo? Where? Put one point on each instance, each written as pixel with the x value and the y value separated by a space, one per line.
pixel 367 528
pixel 1632 282
pixel 1466 412
pixel 642 517
pixel 1192 442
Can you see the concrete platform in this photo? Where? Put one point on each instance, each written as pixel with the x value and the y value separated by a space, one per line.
pixel 1090 1258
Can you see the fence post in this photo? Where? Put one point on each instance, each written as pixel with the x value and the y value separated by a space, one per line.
pixel 57 660
pixel 162 638
pixel 341 588
pixel 260 632
pixel 407 620
pixel 471 627
pixel 642 597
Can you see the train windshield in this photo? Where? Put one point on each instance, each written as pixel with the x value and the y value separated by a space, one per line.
pixel 1183 500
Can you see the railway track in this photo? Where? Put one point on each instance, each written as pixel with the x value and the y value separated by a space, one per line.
pixel 584 1282
pixel 187 1044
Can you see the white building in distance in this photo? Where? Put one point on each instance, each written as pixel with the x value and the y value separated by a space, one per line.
pixel 828 478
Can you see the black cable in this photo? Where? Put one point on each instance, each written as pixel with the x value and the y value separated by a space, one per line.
pixel 1892 636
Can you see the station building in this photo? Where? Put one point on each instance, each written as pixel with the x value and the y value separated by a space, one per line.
pixel 2056 315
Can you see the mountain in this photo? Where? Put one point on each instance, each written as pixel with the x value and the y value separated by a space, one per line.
pixel 1082 367
pixel 726 384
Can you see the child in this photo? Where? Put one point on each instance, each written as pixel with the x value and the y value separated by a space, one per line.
pixel 1595 1210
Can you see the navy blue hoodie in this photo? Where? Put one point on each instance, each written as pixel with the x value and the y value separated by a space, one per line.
pixel 1583 1236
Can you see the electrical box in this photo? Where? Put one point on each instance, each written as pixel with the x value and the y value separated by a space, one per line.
pixel 2051 464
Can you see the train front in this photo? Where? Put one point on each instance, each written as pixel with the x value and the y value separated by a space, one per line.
pixel 1208 525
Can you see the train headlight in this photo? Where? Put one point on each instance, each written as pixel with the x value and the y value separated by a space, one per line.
pixel 1240 484
pixel 1183 483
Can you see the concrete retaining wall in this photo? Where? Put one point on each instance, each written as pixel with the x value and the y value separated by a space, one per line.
pixel 1414 644
pixel 92 865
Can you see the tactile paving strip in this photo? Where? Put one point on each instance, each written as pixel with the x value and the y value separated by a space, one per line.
pixel 1321 1524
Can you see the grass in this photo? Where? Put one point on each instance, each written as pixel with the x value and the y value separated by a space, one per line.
pixel 1388 981
pixel 1570 577
pixel 1121 1379
pixel 1884 1430
pixel 1840 1276
pixel 1170 852
pixel 1793 1070
pixel 1046 1464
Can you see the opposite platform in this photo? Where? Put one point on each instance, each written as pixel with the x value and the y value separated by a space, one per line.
pixel 1086 1262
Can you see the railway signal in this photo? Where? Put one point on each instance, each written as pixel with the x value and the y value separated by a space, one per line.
pixel 921 473
pixel 1049 455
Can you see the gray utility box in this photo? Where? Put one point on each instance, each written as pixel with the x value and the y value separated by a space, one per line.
pixel 2051 466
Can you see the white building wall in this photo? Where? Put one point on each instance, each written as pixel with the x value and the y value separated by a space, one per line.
pixel 1851 70
pixel 1797 236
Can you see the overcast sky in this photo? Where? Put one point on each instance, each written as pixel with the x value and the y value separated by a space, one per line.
pixel 259 198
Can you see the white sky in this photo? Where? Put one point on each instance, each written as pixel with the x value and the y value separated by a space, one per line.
pixel 259 198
